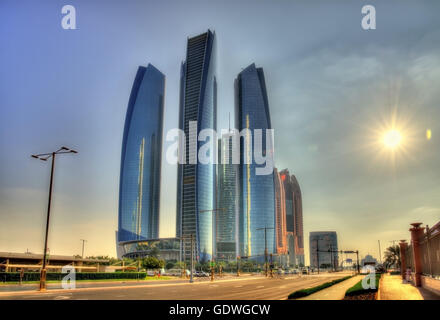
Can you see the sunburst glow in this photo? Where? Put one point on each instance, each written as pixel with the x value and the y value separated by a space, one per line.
pixel 392 138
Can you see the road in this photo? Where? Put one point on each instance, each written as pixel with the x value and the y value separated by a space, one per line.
pixel 246 288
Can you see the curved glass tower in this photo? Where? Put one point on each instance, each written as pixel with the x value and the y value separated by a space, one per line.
pixel 257 199
pixel 196 181
pixel 139 186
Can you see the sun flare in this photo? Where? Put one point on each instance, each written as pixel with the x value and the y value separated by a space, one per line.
pixel 392 139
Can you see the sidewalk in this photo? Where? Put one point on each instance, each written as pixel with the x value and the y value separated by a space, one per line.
pixel 335 292
pixel 393 288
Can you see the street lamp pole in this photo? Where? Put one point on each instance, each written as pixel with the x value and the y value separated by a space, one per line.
pixel 44 157
pixel 83 241
pixel 317 253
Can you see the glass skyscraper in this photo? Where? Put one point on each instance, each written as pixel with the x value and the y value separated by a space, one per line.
pixel 196 192
pixel 139 186
pixel 257 207
pixel 227 217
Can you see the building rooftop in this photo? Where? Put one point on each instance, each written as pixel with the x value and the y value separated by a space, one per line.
pixel 36 256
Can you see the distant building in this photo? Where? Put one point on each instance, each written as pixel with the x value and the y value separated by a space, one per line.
pixel 139 187
pixel 321 245
pixel 294 218
pixel 368 260
pixel 257 207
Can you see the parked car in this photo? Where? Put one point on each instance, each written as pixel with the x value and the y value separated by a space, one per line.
pixel 201 274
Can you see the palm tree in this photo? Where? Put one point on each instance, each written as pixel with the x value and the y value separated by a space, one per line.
pixel 392 257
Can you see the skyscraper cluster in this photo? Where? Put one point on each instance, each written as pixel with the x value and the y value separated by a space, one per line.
pixel 224 210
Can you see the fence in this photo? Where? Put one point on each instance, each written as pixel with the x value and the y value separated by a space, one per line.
pixel 429 246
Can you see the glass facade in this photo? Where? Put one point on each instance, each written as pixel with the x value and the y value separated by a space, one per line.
pixel 226 218
pixel 257 207
pixel 139 187
pixel 196 189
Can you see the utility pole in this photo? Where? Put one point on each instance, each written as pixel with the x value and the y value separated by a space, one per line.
pixel 357 258
pixel 238 266
pixel 380 253
pixel 317 253
pixel 191 279
pixel 331 256
pixel 265 248
pixel 83 241
pixel 44 157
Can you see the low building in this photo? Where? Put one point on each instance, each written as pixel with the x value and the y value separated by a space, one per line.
pixel 14 262
pixel 165 248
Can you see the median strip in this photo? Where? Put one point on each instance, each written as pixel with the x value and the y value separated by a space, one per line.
pixel 306 292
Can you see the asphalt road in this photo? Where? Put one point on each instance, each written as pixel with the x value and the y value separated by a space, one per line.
pixel 250 288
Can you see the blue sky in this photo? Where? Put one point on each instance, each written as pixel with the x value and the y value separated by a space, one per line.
pixel 333 88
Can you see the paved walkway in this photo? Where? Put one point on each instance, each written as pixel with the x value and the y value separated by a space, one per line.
pixel 335 292
pixel 393 288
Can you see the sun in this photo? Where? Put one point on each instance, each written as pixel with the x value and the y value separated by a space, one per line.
pixel 392 139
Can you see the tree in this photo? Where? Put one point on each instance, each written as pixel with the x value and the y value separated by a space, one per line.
pixel 180 265
pixel 152 263
pixel 170 265
pixel 392 257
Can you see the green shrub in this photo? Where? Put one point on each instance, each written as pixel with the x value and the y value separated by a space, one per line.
pixel 305 292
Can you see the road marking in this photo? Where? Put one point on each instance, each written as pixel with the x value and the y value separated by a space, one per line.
pixel 62 297
pixel 260 287
pixel 238 286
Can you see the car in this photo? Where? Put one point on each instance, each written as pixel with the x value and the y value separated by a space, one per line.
pixel 201 274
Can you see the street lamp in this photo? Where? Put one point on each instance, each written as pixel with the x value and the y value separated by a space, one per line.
pixel 83 241
pixel 44 157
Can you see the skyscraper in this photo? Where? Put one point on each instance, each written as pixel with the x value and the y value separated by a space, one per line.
pixel 280 215
pixel 324 241
pixel 226 218
pixel 196 181
pixel 257 207
pixel 298 214
pixel 294 218
pixel 139 186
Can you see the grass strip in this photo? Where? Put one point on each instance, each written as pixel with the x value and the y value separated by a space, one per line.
pixel 306 292
pixel 357 289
